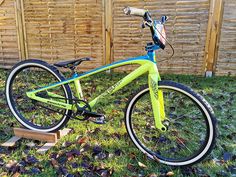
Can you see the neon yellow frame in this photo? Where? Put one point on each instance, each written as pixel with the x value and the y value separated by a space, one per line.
pixel 147 65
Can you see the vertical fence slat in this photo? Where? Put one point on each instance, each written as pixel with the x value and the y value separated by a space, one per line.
pixel 20 29
pixel 24 29
pixel 213 36
pixel 108 31
pixel 226 61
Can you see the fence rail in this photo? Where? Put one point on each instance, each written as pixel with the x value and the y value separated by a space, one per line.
pixel 202 33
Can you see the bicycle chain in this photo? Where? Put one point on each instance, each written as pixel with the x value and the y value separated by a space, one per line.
pixel 75 102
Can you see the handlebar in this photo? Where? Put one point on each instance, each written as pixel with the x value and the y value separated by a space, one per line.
pixel 134 11
pixel 158 35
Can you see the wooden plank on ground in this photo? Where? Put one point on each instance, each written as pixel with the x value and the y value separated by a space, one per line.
pixel 62 133
pixel 45 147
pixel 35 135
pixel 11 142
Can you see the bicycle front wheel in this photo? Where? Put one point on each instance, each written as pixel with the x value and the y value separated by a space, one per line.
pixel 191 131
pixel 29 75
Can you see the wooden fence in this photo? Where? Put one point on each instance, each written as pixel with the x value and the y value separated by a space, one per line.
pixel 226 62
pixel 203 33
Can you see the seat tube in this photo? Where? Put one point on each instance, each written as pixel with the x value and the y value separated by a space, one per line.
pixel 78 88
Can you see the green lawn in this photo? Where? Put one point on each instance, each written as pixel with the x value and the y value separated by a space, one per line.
pixel 74 154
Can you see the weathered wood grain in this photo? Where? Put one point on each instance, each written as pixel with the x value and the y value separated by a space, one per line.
pixel 60 30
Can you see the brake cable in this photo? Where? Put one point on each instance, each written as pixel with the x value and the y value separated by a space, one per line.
pixel 173 50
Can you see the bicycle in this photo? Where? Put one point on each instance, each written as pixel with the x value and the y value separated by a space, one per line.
pixel 167 121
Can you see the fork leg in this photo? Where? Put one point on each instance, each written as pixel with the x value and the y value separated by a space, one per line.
pixel 161 103
pixel 157 104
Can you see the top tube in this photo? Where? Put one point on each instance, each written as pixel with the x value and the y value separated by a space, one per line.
pixel 137 60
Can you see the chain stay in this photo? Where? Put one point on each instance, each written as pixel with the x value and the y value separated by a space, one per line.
pixel 75 102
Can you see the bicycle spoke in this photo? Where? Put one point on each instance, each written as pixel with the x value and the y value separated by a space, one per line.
pixel 29 79
pixel 185 131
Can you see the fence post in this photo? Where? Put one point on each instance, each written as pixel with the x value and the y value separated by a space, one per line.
pixel 108 32
pixel 213 36
pixel 20 27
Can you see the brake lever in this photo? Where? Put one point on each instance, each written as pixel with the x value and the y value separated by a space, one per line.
pixel 145 23
pixel 164 19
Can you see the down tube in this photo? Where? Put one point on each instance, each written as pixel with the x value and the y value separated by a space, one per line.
pixel 126 80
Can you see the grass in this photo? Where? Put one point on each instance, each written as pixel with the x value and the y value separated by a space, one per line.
pixel 124 159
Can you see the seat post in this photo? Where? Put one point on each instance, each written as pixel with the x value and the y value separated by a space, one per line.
pixel 72 68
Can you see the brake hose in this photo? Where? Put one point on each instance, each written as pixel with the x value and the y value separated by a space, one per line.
pixel 173 50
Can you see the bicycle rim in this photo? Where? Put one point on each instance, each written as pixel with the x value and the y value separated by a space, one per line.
pixel 30 113
pixel 187 135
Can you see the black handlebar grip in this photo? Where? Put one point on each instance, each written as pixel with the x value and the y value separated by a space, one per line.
pixel 134 11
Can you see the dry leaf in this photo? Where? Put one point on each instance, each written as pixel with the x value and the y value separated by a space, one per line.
pixel 131 167
pixel 82 140
pixel 16 174
pixel 142 165
pixel 170 173
pixel 55 164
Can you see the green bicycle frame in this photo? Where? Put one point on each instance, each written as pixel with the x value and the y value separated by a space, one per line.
pixel 147 65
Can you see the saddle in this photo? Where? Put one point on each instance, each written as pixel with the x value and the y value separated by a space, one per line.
pixel 71 64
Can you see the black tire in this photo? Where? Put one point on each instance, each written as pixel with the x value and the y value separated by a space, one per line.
pixel 27 75
pixel 147 138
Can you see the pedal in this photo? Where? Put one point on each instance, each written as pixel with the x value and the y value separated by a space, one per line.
pixel 87 113
pixel 98 120
pixel 91 116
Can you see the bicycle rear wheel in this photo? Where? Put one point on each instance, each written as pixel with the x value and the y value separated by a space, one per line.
pixel 191 131
pixel 29 75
